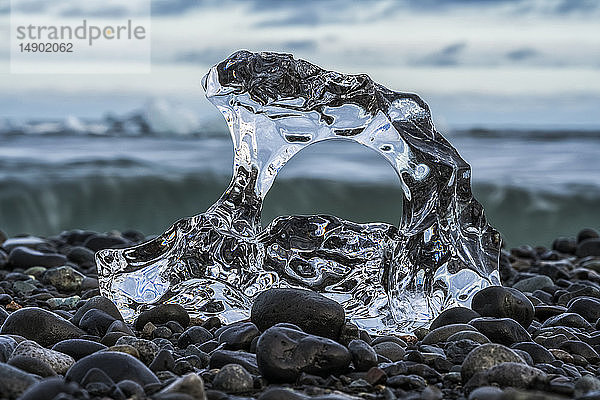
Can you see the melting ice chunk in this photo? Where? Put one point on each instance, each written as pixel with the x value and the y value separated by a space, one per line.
pixel 387 278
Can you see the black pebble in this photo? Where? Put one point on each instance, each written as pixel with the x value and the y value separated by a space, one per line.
pixel 454 315
pixel 78 348
pixel 283 354
pixel 194 335
pixel 162 314
pixel 118 366
pixel 44 327
pixel 363 355
pixel 311 311
pixel 503 302
pixel 501 330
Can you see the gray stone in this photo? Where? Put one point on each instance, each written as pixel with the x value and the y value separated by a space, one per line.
pixel 532 284
pixel 233 378
pixel 64 278
pixel 486 356
pixel 59 362
pixel 190 384
pixel 13 381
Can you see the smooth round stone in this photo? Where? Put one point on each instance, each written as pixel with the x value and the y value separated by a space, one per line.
pixel 311 311
pixel 82 256
pixel 565 245
pixel 96 322
pixel 99 303
pixel 118 366
pixel 277 393
pixel 587 233
pixel 283 354
pixel 582 349
pixel 503 302
pixel 190 384
pixel 41 326
pixel 32 365
pixel 239 336
pixel 532 284
pixel 146 348
pixel 163 361
pixel 58 361
pixel 454 315
pixel 50 388
pixel 162 314
pixel 194 335
pixel 586 384
pixel 568 319
pixel 486 356
pixel 78 348
pixel 587 307
pixel 364 356
pixel 487 393
pixel 220 358
pixel 470 335
pixel 542 312
pixel 63 278
pixel 442 334
pixel 23 257
pixel 589 247
pixel 233 378
pixel 30 242
pixel 501 330
pixel 457 351
pixel 390 350
pixel 539 354
pixel 13 381
pixel 509 374
pixel 7 346
pixel 68 302
pixel 98 242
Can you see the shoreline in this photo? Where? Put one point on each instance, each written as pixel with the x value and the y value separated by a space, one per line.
pixel 535 337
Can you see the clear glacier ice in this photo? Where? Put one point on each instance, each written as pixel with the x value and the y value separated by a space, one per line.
pixel 389 279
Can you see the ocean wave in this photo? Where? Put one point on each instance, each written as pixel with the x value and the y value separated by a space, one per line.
pixel 151 203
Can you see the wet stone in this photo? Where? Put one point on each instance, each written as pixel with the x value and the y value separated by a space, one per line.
pixel 99 303
pixel 41 326
pixel 364 356
pixel 161 314
pixel 568 319
pixel 64 278
pixel 13 381
pixel 239 336
pixel 539 354
pixel 441 334
pixel 501 330
pixel 532 284
pixel 220 358
pixel 503 302
pixel 23 257
pixel 118 366
pixel 486 356
pixel 454 315
pixel 58 361
pixel 78 348
pixel 509 374
pixel 588 308
pixel 390 350
pixel 233 378
pixel 311 311
pixel 283 354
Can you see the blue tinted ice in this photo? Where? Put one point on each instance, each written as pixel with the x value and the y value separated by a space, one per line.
pixel 387 278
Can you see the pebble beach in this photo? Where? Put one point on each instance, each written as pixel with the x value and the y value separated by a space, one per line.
pixel 536 337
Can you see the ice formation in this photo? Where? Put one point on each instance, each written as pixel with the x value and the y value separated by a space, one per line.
pixel 389 279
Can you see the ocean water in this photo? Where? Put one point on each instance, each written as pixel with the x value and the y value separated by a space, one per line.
pixel 108 174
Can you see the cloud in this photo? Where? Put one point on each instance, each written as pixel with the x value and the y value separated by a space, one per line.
pixel 447 56
pixel 521 54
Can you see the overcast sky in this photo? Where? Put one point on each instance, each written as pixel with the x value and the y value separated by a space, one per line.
pixel 478 63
